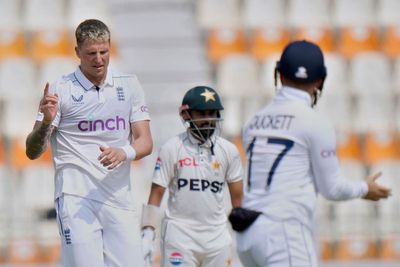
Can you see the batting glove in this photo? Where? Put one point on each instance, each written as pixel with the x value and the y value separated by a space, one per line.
pixel 148 236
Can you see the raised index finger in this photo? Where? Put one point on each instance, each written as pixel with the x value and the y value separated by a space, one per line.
pixel 46 89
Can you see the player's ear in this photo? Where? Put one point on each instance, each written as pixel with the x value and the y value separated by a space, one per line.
pixel 320 84
pixel 77 52
pixel 276 73
pixel 185 115
pixel 184 112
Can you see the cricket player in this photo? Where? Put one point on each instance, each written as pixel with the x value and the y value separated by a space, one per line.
pixel 195 168
pixel 97 122
pixel 291 158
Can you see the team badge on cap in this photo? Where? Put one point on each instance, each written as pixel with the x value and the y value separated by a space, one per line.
pixel 208 95
pixel 176 258
pixel 301 73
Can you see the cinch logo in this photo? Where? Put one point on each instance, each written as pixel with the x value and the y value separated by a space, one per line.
pixel 102 125
pixel 328 153
pixel 176 258
pixel 188 162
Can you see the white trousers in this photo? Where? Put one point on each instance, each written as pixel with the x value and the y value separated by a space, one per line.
pixel 184 248
pixel 268 243
pixel 94 234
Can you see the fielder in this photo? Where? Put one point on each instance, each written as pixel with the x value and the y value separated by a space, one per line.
pixel 97 122
pixel 291 158
pixel 195 167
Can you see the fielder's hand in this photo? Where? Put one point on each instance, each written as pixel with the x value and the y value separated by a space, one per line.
pixel 242 218
pixel 148 237
pixel 376 191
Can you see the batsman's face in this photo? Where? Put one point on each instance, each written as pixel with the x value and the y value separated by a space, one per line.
pixel 204 118
pixel 94 57
pixel 203 123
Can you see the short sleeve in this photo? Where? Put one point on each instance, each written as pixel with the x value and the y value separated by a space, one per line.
pixel 164 168
pixel 139 111
pixel 235 171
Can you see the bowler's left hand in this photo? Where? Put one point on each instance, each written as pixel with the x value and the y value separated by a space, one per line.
pixel 111 157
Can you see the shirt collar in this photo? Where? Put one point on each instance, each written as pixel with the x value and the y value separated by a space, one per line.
pixel 87 85
pixel 295 94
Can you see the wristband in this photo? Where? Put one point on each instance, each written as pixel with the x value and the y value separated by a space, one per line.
pixel 130 152
pixel 40 117
pixel 46 122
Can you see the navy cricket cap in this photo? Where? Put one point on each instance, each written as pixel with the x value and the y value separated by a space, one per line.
pixel 302 61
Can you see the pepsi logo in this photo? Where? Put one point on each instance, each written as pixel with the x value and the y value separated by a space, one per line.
pixel 176 258
pixel 158 164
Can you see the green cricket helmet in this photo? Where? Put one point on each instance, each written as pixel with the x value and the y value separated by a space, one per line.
pixel 201 98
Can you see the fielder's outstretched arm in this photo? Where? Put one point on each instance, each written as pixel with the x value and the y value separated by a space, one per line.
pixel 325 166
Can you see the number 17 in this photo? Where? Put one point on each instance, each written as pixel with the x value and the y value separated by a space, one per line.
pixel 288 144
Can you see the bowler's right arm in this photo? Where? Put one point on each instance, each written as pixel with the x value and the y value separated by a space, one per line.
pixel 37 140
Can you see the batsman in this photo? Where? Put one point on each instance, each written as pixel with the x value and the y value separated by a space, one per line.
pixel 195 167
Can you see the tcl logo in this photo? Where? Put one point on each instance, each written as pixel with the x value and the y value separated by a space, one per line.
pixel 328 153
pixel 188 162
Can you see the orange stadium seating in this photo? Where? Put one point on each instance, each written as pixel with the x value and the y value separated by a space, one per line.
pixel 25 251
pixel 356 248
pixel 18 158
pixel 51 43
pixel 380 146
pixel 265 42
pixel 2 152
pixel 321 36
pixel 354 40
pixel 391 41
pixel 12 44
pixel 225 42
pixel 348 146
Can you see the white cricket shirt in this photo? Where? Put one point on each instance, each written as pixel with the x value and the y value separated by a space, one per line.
pixel 196 179
pixel 291 153
pixel 87 119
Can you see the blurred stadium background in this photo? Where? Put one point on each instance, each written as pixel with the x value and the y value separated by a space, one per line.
pixel 231 45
